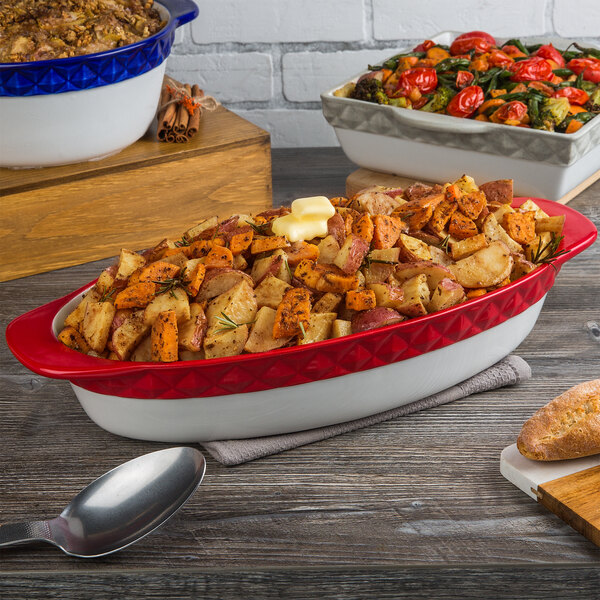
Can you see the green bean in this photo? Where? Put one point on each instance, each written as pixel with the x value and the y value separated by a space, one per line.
pixel 518 44
pixel 563 72
pixel 593 52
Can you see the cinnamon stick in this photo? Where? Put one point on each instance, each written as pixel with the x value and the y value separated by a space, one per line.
pixel 165 96
pixel 194 121
pixel 183 116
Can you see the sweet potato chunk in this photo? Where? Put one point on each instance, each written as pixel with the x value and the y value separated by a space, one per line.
pixel 471 204
pixel 201 248
pixel 158 271
pixel 194 278
pixel 293 313
pixel 219 257
pixel 325 278
pixel 386 231
pixel 164 337
pixel 363 227
pixel 461 227
pixel 301 250
pixel 268 243
pixel 241 240
pixel 441 215
pixel 520 226
pixel 138 295
pixel 70 337
pixel 360 299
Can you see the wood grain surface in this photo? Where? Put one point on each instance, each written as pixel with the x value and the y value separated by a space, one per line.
pixel 413 508
pixel 575 499
pixel 62 216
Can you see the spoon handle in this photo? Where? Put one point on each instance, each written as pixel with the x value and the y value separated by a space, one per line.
pixel 21 533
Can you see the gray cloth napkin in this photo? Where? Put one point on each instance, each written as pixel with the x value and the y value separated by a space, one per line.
pixel 509 371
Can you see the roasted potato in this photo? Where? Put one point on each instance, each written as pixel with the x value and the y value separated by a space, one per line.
pixel 232 286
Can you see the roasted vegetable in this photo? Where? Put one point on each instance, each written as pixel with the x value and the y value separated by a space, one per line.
pixel 370 90
pixel 385 255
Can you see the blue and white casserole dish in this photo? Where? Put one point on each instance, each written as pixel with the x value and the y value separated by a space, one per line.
pixel 68 110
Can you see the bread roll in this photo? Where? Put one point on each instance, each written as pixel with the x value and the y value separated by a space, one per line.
pixel 567 427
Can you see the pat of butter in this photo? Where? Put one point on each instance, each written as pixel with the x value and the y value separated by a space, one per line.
pixel 307 220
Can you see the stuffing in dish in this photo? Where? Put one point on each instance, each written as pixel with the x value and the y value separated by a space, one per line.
pixel 250 284
pixel 31 30
pixel 535 86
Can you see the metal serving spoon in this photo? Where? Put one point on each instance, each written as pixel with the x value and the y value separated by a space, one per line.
pixel 119 508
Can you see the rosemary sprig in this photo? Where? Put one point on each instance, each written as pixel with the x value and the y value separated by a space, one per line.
pixel 169 284
pixel 107 294
pixel 302 329
pixel 548 253
pixel 368 261
pixel 289 270
pixel 445 242
pixel 262 229
pixel 228 323
pixel 182 242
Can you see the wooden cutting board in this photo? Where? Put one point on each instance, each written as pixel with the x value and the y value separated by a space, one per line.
pixel 568 488
pixel 61 216
pixel 362 178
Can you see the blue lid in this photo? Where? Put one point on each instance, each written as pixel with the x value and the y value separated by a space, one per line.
pixel 95 70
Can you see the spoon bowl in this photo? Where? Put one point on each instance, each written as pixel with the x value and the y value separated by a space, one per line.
pixel 120 507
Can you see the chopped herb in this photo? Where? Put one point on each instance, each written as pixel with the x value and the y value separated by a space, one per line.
pixel 550 250
pixel 228 323
pixel 107 294
pixel 262 229
pixel 289 270
pixel 302 329
pixel 182 242
pixel 445 242
pixel 169 284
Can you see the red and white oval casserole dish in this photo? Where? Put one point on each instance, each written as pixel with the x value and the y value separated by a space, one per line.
pixel 300 387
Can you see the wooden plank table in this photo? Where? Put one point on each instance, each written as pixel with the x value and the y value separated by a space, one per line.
pixel 414 508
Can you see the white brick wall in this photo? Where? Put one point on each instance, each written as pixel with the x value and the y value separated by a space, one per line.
pixel 269 60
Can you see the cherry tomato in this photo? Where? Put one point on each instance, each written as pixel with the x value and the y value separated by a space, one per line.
pixel 551 53
pixel 480 41
pixel 513 51
pixel 424 46
pixel 590 67
pixel 513 111
pixel 535 68
pixel 466 102
pixel 463 79
pixel 573 94
pixel 498 58
pixel 423 78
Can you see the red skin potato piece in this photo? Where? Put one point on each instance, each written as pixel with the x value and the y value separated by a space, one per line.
pixel 374 318
pixel 337 228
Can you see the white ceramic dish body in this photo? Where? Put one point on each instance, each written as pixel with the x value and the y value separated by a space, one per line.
pixel 59 129
pixel 309 405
